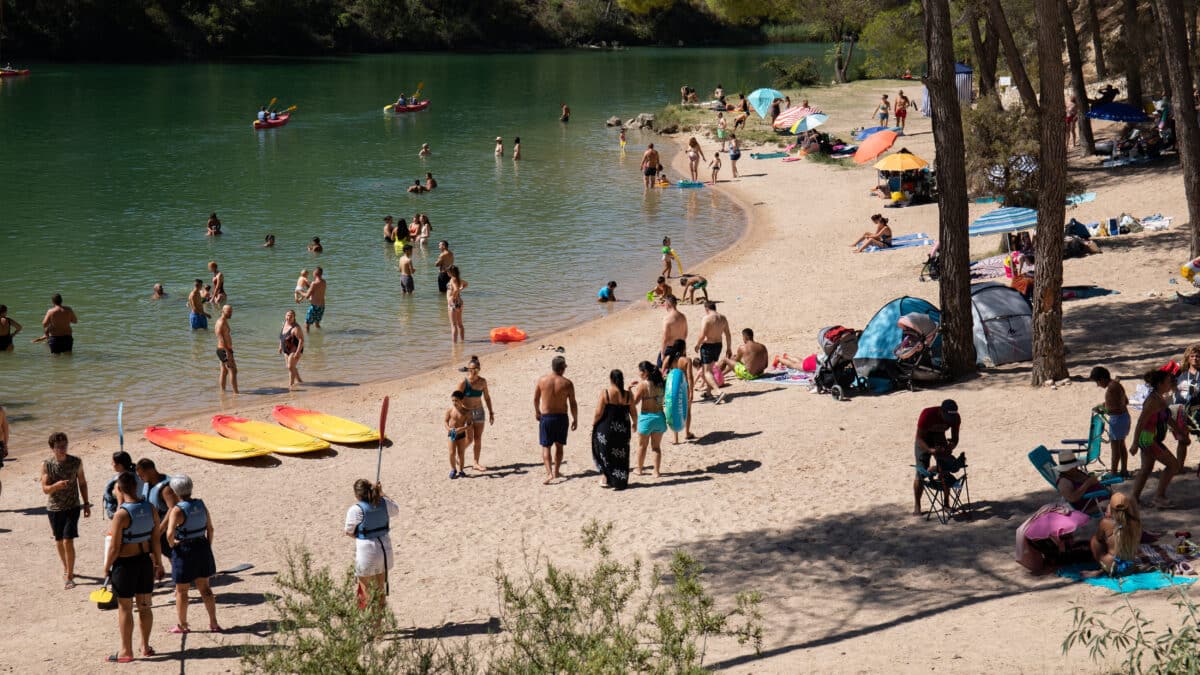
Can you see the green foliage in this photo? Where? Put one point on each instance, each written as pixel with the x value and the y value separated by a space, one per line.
pixel 642 7
pixel 1146 649
pixel 793 32
pixel 995 138
pixel 790 75
pixel 893 41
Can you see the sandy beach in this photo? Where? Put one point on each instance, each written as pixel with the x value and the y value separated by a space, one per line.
pixel 796 495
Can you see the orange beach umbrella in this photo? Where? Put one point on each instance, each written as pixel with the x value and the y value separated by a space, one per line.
pixel 875 145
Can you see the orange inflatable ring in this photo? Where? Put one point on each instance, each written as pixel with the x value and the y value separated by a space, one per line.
pixel 507 334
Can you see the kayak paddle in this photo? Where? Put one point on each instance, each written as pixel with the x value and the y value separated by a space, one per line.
pixel 120 426
pixel 101 596
pixel 382 424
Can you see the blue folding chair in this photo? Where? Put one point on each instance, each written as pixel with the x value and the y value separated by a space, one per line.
pixel 1044 462
pixel 1094 446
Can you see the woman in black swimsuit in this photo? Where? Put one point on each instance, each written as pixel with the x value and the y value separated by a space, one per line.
pixel 291 345
pixel 8 328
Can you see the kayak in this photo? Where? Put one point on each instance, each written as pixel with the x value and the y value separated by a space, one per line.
pixel 204 446
pixel 271 124
pixel 327 427
pixel 16 73
pixel 407 108
pixel 269 436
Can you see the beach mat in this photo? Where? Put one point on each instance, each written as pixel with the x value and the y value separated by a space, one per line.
pixel 1145 581
pixel 767 155
pixel 786 376
pixel 1075 200
pixel 904 241
pixel 988 268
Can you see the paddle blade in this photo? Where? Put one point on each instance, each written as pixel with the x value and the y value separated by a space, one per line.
pixel 273 100
pixel 101 596
pixel 383 420
pixel 121 424
pixel 291 109
pixel 388 107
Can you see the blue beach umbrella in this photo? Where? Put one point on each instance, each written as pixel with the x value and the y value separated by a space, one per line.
pixel 808 123
pixel 761 100
pixel 1118 112
pixel 1001 221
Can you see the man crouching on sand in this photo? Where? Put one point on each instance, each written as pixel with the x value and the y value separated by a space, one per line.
pixel 550 400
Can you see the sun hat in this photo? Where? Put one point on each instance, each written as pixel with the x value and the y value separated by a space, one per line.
pixel 1067 460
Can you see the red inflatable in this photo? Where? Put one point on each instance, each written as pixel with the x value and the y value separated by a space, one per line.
pixel 507 334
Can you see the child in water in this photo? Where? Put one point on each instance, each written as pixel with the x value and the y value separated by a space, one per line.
pixel 301 286
pixel 622 138
pixel 667 254
pixel 608 293
pixel 662 181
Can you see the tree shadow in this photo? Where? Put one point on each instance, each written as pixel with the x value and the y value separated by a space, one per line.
pixel 714 437
pixel 260 462
pixel 734 466
pixel 331 384
pixel 490 626
pixel 28 511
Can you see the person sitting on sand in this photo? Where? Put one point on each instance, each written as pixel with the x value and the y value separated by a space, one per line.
pixel 417 188
pixel 1073 483
pixel 608 293
pixel 880 238
pixel 662 290
pixel 1118 536
pixel 692 283
pixel 749 361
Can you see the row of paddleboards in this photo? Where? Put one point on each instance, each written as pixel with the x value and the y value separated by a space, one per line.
pixel 301 431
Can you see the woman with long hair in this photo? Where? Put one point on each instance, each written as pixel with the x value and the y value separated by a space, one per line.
pixel 368 520
pixel 291 345
pixel 652 423
pixel 1118 536
pixel 1150 432
pixel 611 430
pixel 475 395
pixel 454 303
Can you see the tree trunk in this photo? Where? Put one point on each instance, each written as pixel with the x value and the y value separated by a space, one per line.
pixel 1078 88
pixel 985 54
pixel 1133 53
pixel 1048 355
pixel 1193 35
pixel 954 286
pixel 838 72
pixel 1093 19
pixel 1012 55
pixel 1187 129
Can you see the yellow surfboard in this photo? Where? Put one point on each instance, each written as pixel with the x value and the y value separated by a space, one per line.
pixel 328 427
pixel 269 436
pixel 204 446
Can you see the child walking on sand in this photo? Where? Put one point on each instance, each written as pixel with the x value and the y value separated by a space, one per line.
pixel 301 286
pixel 716 166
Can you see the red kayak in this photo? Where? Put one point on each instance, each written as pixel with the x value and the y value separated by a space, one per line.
pixel 411 108
pixel 13 73
pixel 271 124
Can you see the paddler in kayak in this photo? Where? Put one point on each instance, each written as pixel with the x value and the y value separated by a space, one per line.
pixel 400 101
pixel 262 114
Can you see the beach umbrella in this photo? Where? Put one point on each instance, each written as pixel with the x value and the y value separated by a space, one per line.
pixel 875 145
pixel 808 123
pixel 1118 112
pixel 901 161
pixel 762 99
pixel 792 115
pixel 1002 221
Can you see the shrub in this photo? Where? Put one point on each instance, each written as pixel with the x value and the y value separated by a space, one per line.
pixel 1147 649
pixel 802 73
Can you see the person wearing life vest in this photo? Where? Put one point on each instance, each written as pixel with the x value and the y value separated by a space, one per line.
pixel 132 564
pixel 368 521
pixel 156 491
pixel 121 463
pixel 189 533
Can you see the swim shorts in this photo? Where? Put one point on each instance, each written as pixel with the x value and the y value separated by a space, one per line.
pixel 315 314
pixel 735 155
pixel 649 171
pixel 553 429
pixel 443 281
pixel 742 373
pixel 61 344
pixel 132 575
pixel 222 355
pixel 192 559
pixel 1118 427
pixel 478 416
pixel 710 352
pixel 720 134
pixel 65 524
pixel 5 342
pixel 700 284
pixel 197 320
pixel 652 423
pixel 406 283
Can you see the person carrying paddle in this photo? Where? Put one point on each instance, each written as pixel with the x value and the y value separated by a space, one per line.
pixel 368 520
pixel 132 563
pixel 189 534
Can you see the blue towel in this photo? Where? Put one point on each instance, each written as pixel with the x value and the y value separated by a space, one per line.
pixel 767 155
pixel 1146 581
pixel 1075 200
pixel 903 241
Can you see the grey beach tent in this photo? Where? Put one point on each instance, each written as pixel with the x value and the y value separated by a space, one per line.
pixel 1003 325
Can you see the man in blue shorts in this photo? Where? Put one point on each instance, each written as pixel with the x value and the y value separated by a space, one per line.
pixel 551 399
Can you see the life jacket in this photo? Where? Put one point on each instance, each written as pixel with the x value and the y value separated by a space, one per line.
pixel 141 523
pixel 153 494
pixel 195 520
pixel 109 496
pixel 374 523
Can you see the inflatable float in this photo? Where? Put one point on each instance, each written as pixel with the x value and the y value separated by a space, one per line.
pixel 1190 269
pixel 507 334
pixel 204 446
pixel 690 184
pixel 675 400
pixel 13 73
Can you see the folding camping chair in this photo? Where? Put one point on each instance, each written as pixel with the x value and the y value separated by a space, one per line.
pixel 1094 445
pixel 1044 462
pixel 937 485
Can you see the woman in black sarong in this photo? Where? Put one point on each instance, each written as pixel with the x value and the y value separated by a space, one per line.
pixel 611 429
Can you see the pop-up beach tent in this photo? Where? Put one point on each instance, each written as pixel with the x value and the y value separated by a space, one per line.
pixel 963 82
pixel 876 358
pixel 1003 325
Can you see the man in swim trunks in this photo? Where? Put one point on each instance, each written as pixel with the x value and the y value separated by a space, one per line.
pixel 217 295
pixel 1116 406
pixel 198 318
pixel 444 261
pixel 650 162
pixel 57 324
pixel 158 293
pixel 225 349
pixel 553 395
pixel 714 329
pixel 674 326
pixel 316 300
pixel 565 115
pixel 692 283
pixel 8 328
pixel 406 270
pixel 750 359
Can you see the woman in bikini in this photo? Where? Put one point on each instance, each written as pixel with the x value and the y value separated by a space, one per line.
pixel 735 153
pixel 1118 536
pixel 1150 432
pixel 475 396
pixel 694 155
pixel 454 304
pixel 880 238
pixel 291 345
pixel 426 229
pixel 652 423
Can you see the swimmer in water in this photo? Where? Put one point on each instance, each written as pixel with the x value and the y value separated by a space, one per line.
pixel 217 295
pixel 417 188
pixel 499 146
pixel 269 242
pixel 158 293
pixel 517 148
pixel 315 246
pixel 430 183
pixel 566 113
pixel 406 270
pixel 301 286
pixel 389 230
pixel 425 151
pixel 622 138
pixel 426 229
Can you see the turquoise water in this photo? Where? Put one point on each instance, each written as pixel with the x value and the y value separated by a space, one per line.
pixel 109 173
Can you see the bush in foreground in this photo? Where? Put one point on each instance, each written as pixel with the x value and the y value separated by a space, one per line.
pixel 1146 648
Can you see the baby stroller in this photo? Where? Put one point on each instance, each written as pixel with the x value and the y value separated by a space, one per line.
pixel 835 366
pixel 932 269
pixel 916 359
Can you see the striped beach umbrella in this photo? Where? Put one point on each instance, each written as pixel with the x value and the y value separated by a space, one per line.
pixel 1002 221
pixel 794 114
pixel 808 123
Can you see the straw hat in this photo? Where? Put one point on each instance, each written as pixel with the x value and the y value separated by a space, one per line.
pixel 1067 460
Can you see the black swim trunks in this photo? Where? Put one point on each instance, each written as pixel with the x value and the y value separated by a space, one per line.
pixel 222 355
pixel 710 352
pixel 132 575
pixel 192 559
pixel 5 342
pixel 406 283
pixel 649 171
pixel 553 429
pixel 443 281
pixel 61 344
pixel 65 524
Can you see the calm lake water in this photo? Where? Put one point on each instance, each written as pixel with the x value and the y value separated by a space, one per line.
pixel 109 173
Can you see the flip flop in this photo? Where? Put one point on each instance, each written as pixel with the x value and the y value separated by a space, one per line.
pixel 68 584
pixel 178 630
pixel 117 658
pixel 149 651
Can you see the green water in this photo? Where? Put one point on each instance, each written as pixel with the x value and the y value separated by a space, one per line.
pixel 109 173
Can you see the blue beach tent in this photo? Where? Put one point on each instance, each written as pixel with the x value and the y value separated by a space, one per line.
pixel 875 359
pixel 1118 112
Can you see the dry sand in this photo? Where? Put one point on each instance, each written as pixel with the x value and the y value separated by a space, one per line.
pixel 791 493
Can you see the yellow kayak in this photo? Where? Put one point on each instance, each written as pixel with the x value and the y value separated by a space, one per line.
pixel 328 427
pixel 204 446
pixel 269 436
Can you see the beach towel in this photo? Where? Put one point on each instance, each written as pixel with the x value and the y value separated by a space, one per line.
pixel 767 155
pixel 903 241
pixel 988 268
pixel 786 376
pixel 1084 198
pixel 1145 581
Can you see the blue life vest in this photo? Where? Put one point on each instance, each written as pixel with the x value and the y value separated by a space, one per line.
pixel 375 521
pixel 110 496
pixel 195 520
pixel 141 523
pixel 153 494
